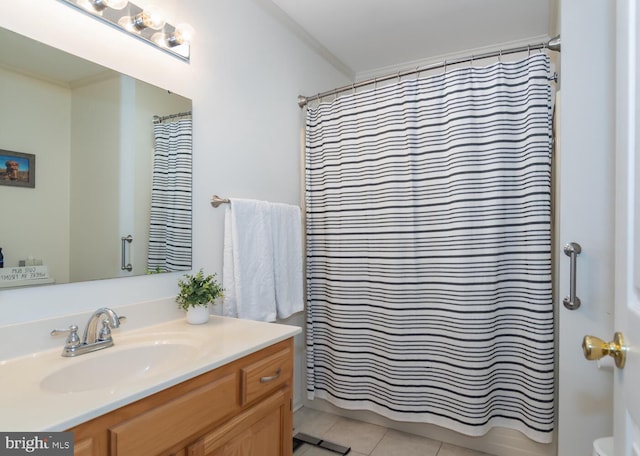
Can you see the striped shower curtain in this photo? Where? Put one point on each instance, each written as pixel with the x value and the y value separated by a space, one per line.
pixel 170 220
pixel 429 252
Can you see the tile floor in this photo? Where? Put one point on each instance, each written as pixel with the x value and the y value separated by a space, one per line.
pixel 366 439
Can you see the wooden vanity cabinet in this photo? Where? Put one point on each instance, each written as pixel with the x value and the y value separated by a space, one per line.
pixel 239 409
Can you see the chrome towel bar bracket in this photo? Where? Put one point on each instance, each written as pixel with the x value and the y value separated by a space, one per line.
pixel 217 201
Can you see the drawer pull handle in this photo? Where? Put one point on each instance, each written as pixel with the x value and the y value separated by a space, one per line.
pixel 273 377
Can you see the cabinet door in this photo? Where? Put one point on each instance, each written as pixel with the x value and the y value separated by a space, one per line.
pixel 165 426
pixel 262 438
pixel 84 447
pixel 262 430
pixel 90 440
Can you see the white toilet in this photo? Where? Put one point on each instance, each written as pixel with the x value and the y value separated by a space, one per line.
pixel 603 447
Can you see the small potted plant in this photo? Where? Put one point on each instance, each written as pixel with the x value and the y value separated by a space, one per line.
pixel 196 292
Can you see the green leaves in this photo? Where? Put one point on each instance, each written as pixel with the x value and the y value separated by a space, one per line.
pixel 198 290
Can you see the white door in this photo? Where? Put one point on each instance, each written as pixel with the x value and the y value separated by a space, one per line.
pixel 627 228
pixel 585 192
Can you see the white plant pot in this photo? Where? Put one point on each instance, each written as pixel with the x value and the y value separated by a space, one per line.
pixel 198 315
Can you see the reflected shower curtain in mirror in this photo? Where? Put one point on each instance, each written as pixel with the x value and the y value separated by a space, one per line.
pixel 428 208
pixel 170 220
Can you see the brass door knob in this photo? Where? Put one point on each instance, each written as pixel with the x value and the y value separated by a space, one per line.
pixel 595 348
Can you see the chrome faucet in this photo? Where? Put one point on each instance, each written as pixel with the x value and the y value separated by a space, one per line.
pixel 91 334
pixel 94 338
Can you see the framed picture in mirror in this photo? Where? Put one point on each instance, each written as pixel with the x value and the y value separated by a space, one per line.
pixel 17 169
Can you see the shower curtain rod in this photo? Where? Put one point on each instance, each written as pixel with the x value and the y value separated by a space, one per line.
pixel 158 119
pixel 553 45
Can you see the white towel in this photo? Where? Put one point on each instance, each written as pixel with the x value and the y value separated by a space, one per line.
pixel 229 304
pixel 248 275
pixel 287 258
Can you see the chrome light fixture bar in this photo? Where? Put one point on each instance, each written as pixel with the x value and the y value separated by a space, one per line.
pixel 146 24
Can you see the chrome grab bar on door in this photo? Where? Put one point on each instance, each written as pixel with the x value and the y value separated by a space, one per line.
pixel 126 266
pixel 572 249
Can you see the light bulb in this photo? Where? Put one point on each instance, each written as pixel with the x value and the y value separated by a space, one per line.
pixel 126 22
pixel 159 39
pixel 182 34
pixel 151 17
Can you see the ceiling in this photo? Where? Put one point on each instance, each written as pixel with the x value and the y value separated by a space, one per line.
pixel 38 60
pixel 369 35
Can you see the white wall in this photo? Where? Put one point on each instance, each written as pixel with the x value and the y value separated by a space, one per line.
pixel 25 229
pixel 95 181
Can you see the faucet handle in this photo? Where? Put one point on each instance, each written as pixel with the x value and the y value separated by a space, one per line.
pixel 105 331
pixel 73 340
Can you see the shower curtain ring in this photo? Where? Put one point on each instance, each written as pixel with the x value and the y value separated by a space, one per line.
pixel 528 50
pixel 445 67
pixel 500 56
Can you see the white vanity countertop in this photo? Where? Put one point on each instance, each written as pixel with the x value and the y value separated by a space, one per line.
pixel 25 405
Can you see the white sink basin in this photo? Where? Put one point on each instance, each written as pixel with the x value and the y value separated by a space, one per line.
pixel 48 392
pixel 117 365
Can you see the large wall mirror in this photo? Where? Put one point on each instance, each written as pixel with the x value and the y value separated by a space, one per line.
pixel 88 134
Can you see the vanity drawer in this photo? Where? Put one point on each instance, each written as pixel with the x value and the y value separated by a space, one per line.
pixel 266 375
pixel 168 424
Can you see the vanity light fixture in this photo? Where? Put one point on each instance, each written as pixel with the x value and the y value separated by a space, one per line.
pixel 147 24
